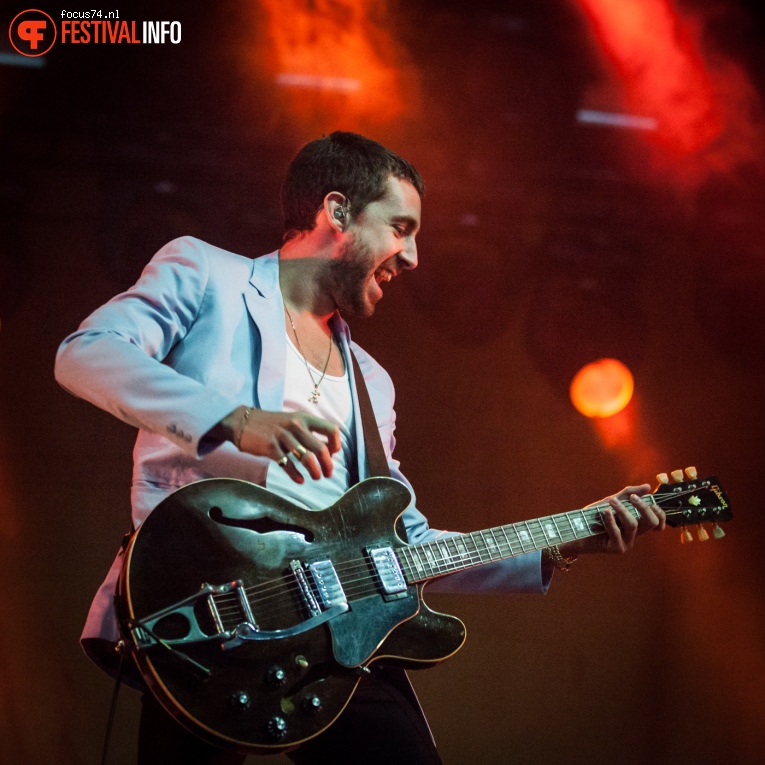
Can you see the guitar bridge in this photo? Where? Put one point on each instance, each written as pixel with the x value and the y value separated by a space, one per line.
pixel 319 586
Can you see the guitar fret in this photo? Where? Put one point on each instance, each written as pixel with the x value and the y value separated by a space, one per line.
pixel 462 551
pixel 550 531
pixel 524 535
pixel 507 539
pixel 557 528
pixel 431 559
pixel 476 550
pixel 491 545
pixel 422 563
pixel 449 542
pixel 581 523
pixel 497 544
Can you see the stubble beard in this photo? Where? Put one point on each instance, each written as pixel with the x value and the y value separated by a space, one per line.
pixel 346 278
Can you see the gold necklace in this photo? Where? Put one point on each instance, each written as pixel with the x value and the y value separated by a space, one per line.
pixel 314 397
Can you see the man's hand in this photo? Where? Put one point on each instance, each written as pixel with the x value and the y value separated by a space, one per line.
pixel 284 437
pixel 620 536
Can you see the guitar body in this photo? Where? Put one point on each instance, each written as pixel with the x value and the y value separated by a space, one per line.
pixel 253 667
pixel 253 620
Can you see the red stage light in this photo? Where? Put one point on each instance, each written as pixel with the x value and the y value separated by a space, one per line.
pixel 703 101
pixel 602 388
pixel 335 57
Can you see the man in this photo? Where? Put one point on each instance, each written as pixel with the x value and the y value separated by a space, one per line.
pixel 238 368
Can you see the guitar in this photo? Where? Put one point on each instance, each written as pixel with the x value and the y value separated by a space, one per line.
pixel 253 620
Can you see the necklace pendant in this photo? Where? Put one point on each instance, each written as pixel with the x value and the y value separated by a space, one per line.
pixel 314 397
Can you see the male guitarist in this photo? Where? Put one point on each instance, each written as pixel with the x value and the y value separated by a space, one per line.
pixel 244 369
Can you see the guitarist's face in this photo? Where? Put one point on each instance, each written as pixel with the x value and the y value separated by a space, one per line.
pixel 378 244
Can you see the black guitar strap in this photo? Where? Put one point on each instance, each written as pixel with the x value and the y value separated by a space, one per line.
pixel 376 459
pixel 377 462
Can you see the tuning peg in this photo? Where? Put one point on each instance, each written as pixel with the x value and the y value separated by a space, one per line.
pixel 677 475
pixel 691 473
pixel 717 532
pixel 702 532
pixel 685 537
pixel 662 478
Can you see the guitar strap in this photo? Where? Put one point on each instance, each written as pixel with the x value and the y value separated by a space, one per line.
pixel 377 462
pixel 376 459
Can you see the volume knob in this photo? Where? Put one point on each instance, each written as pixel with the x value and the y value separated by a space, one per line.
pixel 312 704
pixel 276 677
pixel 241 700
pixel 277 727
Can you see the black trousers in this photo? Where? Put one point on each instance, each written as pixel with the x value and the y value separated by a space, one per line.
pixel 379 726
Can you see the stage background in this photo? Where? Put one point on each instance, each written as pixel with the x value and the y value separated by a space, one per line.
pixel 544 240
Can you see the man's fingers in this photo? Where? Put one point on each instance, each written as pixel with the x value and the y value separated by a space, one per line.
pixel 612 529
pixel 318 460
pixel 304 454
pixel 327 429
pixel 627 522
pixel 652 517
pixel 286 464
pixel 283 434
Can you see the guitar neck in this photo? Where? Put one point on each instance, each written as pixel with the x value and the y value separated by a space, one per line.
pixel 430 560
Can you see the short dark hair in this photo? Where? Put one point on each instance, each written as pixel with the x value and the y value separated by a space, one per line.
pixel 346 162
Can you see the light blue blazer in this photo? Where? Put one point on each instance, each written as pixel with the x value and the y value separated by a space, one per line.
pixel 200 333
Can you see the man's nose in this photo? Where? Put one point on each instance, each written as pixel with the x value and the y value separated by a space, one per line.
pixel 408 255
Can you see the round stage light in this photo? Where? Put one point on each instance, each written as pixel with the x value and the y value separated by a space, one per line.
pixel 602 388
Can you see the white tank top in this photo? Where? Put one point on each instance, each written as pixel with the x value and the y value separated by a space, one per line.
pixel 336 405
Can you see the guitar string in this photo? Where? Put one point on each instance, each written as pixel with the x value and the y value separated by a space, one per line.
pixel 438 567
pixel 443 566
pixel 436 561
pixel 535 535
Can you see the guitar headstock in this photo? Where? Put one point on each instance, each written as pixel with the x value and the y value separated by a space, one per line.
pixel 693 501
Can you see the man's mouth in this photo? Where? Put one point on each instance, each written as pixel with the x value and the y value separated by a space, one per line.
pixel 383 275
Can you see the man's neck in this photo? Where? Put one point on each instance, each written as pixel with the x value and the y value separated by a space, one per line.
pixel 302 265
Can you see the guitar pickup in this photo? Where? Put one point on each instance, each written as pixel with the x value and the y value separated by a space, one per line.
pixel 388 571
pixel 327 583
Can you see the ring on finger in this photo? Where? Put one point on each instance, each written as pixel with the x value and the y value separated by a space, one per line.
pixel 299 451
pixel 283 461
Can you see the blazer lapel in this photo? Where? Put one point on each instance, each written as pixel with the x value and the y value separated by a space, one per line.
pixel 264 304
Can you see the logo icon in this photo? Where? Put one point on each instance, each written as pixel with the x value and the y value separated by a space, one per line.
pixel 32 33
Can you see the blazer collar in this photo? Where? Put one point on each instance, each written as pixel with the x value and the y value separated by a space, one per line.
pixel 265 274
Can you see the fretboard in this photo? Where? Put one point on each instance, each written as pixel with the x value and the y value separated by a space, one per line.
pixel 449 554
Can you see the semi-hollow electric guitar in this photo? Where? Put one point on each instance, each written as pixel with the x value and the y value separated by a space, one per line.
pixel 252 620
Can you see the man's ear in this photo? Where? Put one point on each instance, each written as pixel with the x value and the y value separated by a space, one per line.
pixel 336 208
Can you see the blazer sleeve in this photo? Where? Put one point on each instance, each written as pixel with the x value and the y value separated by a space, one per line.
pixel 114 360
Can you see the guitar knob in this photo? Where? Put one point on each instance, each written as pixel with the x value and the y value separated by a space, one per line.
pixel 241 701
pixel 276 677
pixel 312 705
pixel 277 727
pixel 677 475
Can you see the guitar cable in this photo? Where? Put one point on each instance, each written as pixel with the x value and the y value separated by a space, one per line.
pixel 112 710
